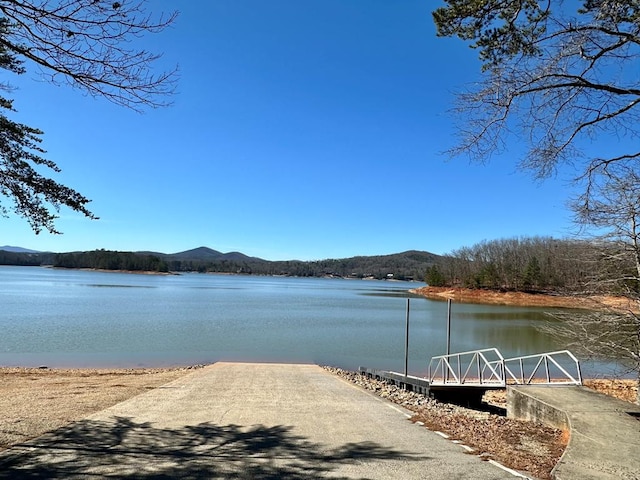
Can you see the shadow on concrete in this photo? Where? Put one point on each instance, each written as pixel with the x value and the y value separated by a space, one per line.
pixel 126 449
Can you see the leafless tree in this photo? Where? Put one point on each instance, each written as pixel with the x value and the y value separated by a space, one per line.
pixel 553 80
pixel 602 335
pixel 612 209
pixel 525 263
pixel 89 44
pixel 611 206
pixel 558 76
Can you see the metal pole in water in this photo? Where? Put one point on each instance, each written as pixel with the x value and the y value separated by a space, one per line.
pixel 448 326
pixel 406 342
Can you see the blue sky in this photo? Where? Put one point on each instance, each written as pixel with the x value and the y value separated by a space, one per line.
pixel 300 130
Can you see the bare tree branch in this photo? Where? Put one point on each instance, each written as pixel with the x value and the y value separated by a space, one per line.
pixel 550 79
pixel 556 80
pixel 90 45
pixel 87 44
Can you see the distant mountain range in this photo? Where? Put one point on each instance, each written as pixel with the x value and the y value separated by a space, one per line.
pixel 206 254
pixel 9 248
pixel 200 253
pixel 410 265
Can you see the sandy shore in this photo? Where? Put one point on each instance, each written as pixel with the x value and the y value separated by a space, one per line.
pixel 34 401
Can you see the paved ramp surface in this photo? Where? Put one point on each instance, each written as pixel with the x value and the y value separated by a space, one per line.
pixel 248 421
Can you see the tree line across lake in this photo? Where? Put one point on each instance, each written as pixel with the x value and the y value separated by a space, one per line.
pixel 402 266
pixel 519 264
pixel 534 264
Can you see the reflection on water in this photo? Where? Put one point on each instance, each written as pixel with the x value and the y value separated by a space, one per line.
pixel 106 285
pixel 529 314
pixel 393 293
pixel 82 318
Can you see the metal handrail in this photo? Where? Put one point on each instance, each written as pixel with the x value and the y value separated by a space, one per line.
pixel 448 369
pixel 527 378
pixel 473 368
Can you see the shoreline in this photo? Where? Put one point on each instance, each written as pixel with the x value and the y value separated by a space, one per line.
pixel 178 273
pixel 37 400
pixel 522 299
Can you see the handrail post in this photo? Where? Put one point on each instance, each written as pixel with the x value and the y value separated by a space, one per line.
pixel 521 371
pixel 546 368
pixel 406 344
pixel 579 372
pixel 448 326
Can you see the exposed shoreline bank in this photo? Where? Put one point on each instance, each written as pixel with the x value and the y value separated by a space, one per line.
pixel 522 299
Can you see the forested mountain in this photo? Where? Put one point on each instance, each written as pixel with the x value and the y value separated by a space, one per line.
pixel 9 248
pixel 411 265
pixel 204 254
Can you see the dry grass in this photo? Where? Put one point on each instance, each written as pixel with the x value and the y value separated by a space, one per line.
pixel 522 446
pixel 626 390
pixel 622 389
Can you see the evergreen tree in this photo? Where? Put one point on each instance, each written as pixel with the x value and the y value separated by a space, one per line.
pixel 20 155
pixel 86 44
pixel 434 277
pixel 532 273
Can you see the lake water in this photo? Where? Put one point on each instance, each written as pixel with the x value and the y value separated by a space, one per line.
pixel 70 318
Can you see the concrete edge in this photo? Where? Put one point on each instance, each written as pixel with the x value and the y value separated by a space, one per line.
pixel 421 386
pixel 523 406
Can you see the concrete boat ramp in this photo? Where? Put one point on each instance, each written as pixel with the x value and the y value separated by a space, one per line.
pixel 248 421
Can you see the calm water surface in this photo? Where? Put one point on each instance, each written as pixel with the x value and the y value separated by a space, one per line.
pixel 69 318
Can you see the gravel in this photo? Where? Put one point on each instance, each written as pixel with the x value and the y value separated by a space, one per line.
pixel 34 401
pixel 526 447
